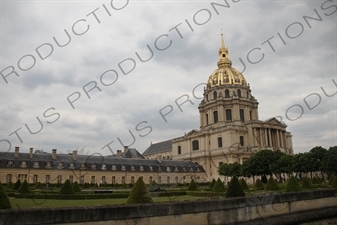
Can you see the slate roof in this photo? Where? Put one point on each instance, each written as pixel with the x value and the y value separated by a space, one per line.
pixel 88 160
pixel 159 147
pixel 132 153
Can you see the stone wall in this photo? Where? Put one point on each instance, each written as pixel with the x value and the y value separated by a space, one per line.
pixel 285 208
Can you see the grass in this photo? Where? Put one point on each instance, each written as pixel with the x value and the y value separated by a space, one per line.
pixel 52 203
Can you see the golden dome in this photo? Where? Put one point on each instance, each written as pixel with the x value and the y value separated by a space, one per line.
pixel 225 74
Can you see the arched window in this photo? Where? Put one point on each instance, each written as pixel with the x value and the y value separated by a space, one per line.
pixel 226 93
pixel 215 115
pixel 219 142
pixel 239 93
pixel 228 115
pixel 195 145
pixel 215 95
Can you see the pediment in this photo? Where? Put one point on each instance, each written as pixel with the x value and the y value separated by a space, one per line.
pixel 274 121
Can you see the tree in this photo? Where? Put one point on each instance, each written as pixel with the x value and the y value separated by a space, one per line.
pixel 38 185
pixel 67 188
pixel 139 193
pixel 272 185
pixel 293 185
pixel 76 187
pixel 316 159
pixel 24 188
pixel 259 184
pixel 244 184
pixel 4 201
pixel 213 182
pixel 234 189
pixel 334 182
pixel 218 186
pixel 17 185
pixel 192 186
pixel 329 161
pixel 305 183
pixel 230 170
pixel 10 185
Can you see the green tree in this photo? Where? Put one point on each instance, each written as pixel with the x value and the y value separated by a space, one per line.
pixel 24 188
pixel 4 201
pixel 259 184
pixel 334 182
pixel 316 158
pixel 139 193
pixel 17 185
pixel 38 185
pixel 244 184
pixel 329 161
pixel 293 185
pixel 305 183
pixel 219 186
pixel 67 188
pixel 272 185
pixel 234 189
pixel 192 186
pixel 213 182
pixel 10 185
pixel 76 187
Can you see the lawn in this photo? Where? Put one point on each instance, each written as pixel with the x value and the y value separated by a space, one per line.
pixel 51 203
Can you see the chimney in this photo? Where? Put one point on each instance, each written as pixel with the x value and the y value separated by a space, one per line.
pixel 16 153
pixel 53 155
pixel 126 149
pixel 74 155
pixel 119 153
pixel 31 153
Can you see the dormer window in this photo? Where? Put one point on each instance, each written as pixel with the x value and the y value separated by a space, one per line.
pixel 168 169
pixel 198 169
pixel 176 169
pixel 10 163
pixel 71 166
pixel 123 168
pixel 133 168
pixel 141 168
pixel 104 167
pixel 113 167
pixel 159 168
pixel 184 169
pixel 191 169
pixel 93 166
pixel 60 165
pixel 23 164
pixel 36 165
pixel 82 166
pixel 48 165
pixel 150 168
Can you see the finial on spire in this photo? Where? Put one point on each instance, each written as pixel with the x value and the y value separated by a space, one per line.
pixel 222 41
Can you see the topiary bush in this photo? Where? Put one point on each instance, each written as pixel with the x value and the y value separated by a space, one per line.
pixel 139 193
pixel 213 182
pixel 331 179
pixel 244 184
pixel 334 182
pixel 24 188
pixel 293 185
pixel 4 201
pixel 234 189
pixel 17 185
pixel 192 186
pixel 38 185
pixel 67 188
pixel 264 179
pixel 9 186
pixel 271 185
pixel 259 185
pixel 314 181
pixel 76 187
pixel 305 183
pixel 218 186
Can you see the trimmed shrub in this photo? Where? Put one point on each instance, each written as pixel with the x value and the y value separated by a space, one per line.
pixel 17 185
pixel 24 188
pixel 259 185
pixel 334 182
pixel 244 184
pixel 38 185
pixel 264 179
pixel 314 181
pixel 139 193
pixel 76 187
pixel 213 182
pixel 219 186
pixel 331 179
pixel 293 185
pixel 4 201
pixel 9 186
pixel 305 183
pixel 67 188
pixel 192 186
pixel 272 185
pixel 234 189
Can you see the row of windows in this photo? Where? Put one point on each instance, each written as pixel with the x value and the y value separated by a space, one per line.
pixel 195 144
pixel 227 94
pixel 228 116
pixel 93 179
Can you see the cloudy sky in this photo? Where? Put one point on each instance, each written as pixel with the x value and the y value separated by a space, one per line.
pixel 92 89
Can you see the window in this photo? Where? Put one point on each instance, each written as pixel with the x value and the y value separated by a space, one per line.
pixel 103 180
pixel 206 119
pixel 168 169
pixel 207 97
pixel 132 180
pixel 60 165
pixel 71 178
pixel 141 168
pixel 82 180
pixel 8 178
pixel 179 150
pixel 93 180
pixel 219 142
pixel 228 115
pixel 159 180
pixel 242 115
pixel 159 168
pixel 133 168
pixel 150 180
pixel 113 180
pixel 215 115
pixel 10 163
pixel 48 165
pixel 35 178
pixel 22 177
pixel 239 93
pixel 47 179
pixel 113 167
pixel 227 93
pixel 23 164
pixel 104 167
pixel 215 95
pixel 242 143
pixel 150 168
pixel 36 165
pixel 59 179
pixel 250 115
pixel 82 166
pixel 71 166
pixel 168 180
pixel 176 169
pixel 93 166
pixel 123 167
pixel 123 180
pixel 195 145
pixel 220 164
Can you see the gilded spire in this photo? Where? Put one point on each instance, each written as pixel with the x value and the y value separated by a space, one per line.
pixel 222 41
pixel 223 54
